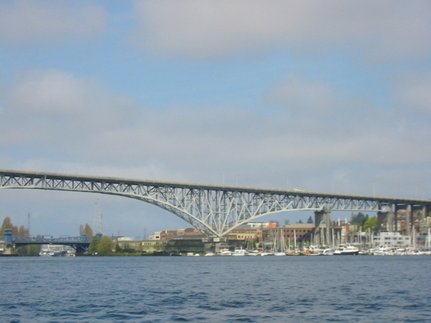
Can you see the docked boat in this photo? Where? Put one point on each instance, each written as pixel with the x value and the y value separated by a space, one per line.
pixel 53 251
pixel 346 251
pixel 239 252
pixel 327 252
pixel 225 252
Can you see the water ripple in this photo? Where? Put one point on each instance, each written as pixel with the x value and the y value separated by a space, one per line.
pixel 215 289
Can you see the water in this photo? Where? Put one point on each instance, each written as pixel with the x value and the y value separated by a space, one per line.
pixel 215 289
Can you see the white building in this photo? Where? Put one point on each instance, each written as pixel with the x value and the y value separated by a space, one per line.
pixel 392 240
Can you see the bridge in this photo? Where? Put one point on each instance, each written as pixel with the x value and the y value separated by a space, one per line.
pixel 80 244
pixel 214 209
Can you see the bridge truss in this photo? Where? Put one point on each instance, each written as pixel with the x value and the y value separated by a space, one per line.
pixel 216 210
pixel 80 244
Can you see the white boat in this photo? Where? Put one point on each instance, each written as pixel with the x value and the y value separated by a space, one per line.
pixel 279 244
pixel 239 252
pixel 225 252
pixel 53 251
pixel 346 251
pixel 381 251
pixel 327 252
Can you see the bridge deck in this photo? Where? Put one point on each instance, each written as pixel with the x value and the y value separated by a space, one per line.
pixel 241 189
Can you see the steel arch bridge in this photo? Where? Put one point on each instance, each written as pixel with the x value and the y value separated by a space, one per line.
pixel 216 210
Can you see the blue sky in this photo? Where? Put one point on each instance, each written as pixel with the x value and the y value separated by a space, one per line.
pixel 318 95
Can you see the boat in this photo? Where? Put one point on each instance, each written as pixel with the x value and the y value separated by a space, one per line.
pixel 279 244
pixel 253 253
pixel 346 251
pixel 239 252
pixel 327 252
pixel 225 252
pixel 53 251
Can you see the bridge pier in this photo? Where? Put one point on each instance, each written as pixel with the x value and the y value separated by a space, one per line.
pixel 323 235
pixel 381 219
pixel 409 219
pixel 396 208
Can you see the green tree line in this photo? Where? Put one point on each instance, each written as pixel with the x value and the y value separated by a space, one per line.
pixel 100 245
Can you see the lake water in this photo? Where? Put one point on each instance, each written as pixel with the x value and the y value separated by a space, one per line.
pixel 215 289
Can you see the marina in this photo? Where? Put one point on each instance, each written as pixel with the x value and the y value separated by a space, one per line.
pixel 314 251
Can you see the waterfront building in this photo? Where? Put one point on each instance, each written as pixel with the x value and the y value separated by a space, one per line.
pixel 263 225
pixel 246 233
pixel 145 246
pixel 392 240
pixel 185 245
pixel 163 235
pixel 293 234
pixel 153 246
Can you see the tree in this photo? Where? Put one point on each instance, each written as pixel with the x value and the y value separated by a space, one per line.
pixel 86 230
pixel 21 231
pixel 6 224
pixel 105 246
pixel 371 224
pixel 359 219
pixel 101 245
pixel 310 219
pixel 16 231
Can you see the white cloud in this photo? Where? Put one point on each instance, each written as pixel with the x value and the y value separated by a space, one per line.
pixel 24 21
pixel 56 107
pixel 414 91
pixel 205 28
pixel 296 93
pixel 83 124
pixel 60 122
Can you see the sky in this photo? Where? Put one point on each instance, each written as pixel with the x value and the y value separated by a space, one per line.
pixel 330 96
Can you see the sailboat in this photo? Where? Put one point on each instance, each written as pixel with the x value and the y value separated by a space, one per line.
pixel 279 243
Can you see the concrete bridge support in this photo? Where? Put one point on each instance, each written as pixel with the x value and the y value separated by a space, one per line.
pixel 322 235
pixel 382 219
pixel 409 220
pixel 396 208
pixel 390 221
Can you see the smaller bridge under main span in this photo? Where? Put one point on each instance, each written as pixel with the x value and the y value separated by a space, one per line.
pixel 216 210
pixel 80 244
